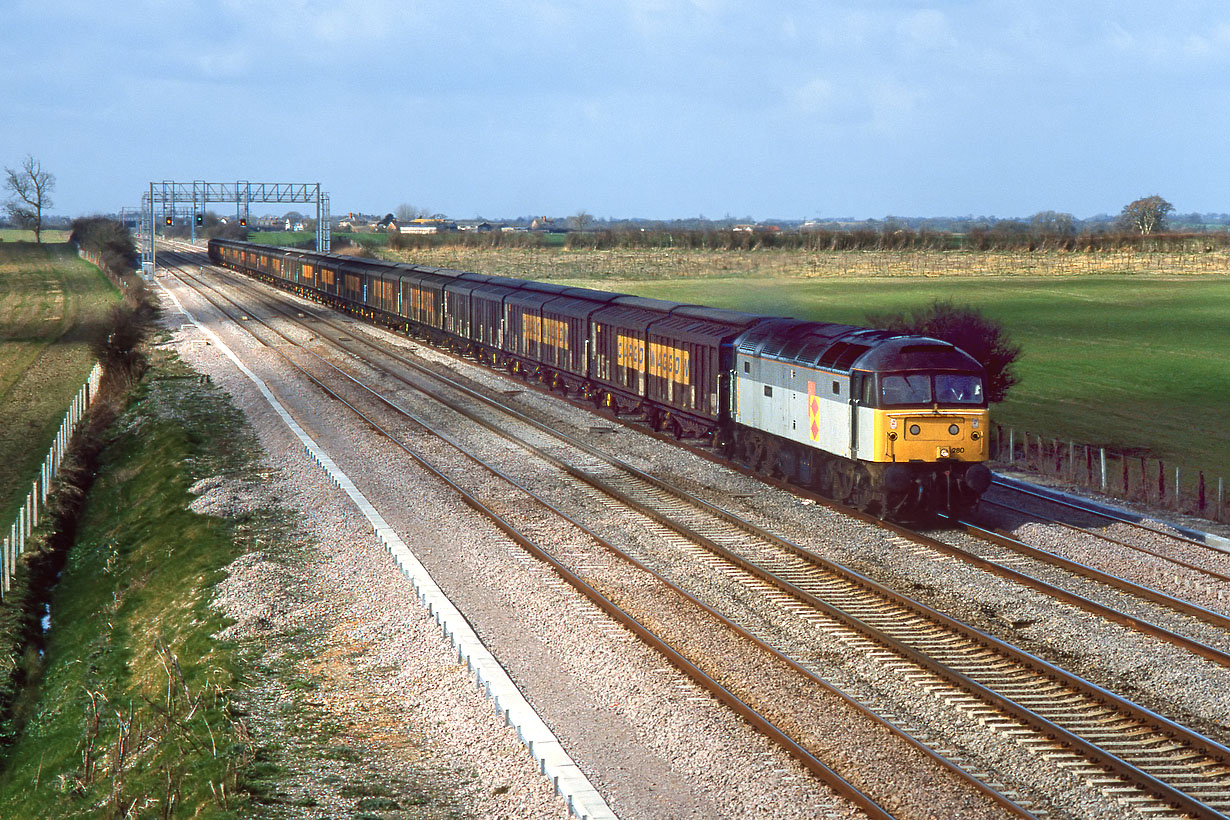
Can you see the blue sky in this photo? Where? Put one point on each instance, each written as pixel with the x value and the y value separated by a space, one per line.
pixel 625 108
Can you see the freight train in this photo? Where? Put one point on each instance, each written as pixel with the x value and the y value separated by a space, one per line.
pixel 891 424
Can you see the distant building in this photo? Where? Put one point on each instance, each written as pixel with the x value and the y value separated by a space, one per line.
pixel 427 225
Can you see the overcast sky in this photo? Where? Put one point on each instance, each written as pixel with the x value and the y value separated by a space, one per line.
pixel 625 108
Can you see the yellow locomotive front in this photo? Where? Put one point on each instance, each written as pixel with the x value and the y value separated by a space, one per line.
pixel 922 427
pixel 928 417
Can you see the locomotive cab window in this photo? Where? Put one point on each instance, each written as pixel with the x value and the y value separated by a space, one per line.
pixel 961 389
pixel 958 388
pixel 905 388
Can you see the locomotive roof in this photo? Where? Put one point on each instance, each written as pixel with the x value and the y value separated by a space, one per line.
pixel 847 347
pixel 917 352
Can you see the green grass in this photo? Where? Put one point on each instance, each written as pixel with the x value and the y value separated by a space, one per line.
pixel 131 645
pixel 1125 361
pixel 48 236
pixel 51 305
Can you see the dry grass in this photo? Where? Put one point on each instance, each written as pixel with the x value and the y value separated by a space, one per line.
pixel 627 265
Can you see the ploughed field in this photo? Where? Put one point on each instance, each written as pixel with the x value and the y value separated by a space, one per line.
pixel 1122 349
pixel 51 305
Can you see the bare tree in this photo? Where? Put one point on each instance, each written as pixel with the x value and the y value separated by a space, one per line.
pixel 1052 224
pixel 1146 215
pixel 406 212
pixel 580 220
pixel 31 186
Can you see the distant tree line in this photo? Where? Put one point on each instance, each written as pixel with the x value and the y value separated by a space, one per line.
pixel 1147 224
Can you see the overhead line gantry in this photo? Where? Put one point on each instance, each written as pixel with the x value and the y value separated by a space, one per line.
pixel 199 193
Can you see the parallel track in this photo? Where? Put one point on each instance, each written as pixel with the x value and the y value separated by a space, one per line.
pixel 1108 515
pixel 835 781
pixel 1006 689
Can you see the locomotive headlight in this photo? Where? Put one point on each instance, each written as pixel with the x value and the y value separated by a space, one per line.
pixel 953 429
pixel 915 429
pixel 943 452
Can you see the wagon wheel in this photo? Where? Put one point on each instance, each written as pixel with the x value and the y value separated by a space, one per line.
pixel 785 461
pixel 771 462
pixel 822 476
pixel 753 450
pixel 676 428
pixel 862 495
pixel 842 481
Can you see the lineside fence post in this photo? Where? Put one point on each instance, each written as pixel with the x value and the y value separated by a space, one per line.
pixel 1197 497
pixel 27 519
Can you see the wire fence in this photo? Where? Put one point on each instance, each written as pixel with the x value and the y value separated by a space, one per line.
pixel 1116 473
pixel 14 545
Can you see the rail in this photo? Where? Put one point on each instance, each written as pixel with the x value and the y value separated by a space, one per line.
pixel 1045 717
pixel 14 545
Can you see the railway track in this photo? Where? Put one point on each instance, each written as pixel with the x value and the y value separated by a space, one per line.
pixel 497 512
pixel 1178 621
pixel 1193 560
pixel 1076 725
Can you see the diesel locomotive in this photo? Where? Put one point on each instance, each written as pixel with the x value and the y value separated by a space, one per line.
pixel 893 425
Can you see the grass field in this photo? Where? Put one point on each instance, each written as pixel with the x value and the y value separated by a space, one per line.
pixel 602 267
pixel 51 305
pixel 48 237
